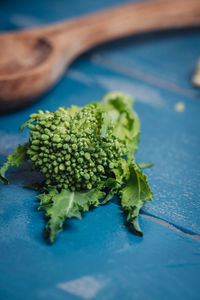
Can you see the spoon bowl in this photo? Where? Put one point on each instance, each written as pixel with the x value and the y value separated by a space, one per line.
pixel 16 58
pixel 24 68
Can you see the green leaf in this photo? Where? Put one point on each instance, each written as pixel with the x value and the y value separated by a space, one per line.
pixel 111 186
pixel 132 146
pixel 121 101
pixel 21 128
pixel 63 205
pixel 126 122
pixel 122 172
pixel 14 160
pixel 145 165
pixel 133 196
pixel 47 198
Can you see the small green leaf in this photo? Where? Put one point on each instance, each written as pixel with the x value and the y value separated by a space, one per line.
pixel 63 205
pixel 47 198
pixel 121 101
pixel 21 128
pixel 134 226
pixel 122 171
pixel 14 160
pixel 134 195
pixel 111 186
pixel 126 122
pixel 145 165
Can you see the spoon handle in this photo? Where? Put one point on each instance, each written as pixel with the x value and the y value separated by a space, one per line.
pixel 125 20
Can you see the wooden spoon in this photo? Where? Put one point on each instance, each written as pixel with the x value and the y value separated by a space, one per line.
pixel 31 61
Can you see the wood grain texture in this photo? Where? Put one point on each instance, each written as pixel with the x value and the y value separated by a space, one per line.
pixel 41 55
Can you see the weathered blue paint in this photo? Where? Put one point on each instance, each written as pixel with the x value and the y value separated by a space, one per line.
pixel 98 258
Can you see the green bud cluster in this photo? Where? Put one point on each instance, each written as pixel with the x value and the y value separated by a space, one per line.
pixel 67 147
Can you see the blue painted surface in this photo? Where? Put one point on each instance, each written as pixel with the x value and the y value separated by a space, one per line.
pixel 162 265
pixel 17 14
pixel 98 258
pixel 167 59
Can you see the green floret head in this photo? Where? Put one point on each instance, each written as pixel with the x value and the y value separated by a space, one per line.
pixel 74 148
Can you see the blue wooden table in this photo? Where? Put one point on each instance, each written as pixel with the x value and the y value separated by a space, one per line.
pixel 98 258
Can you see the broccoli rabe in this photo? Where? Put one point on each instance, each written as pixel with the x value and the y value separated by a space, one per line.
pixel 85 155
pixel 70 151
